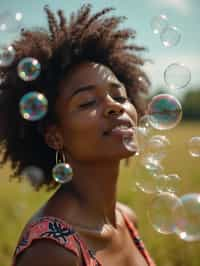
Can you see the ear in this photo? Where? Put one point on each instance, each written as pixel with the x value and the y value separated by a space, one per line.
pixel 53 137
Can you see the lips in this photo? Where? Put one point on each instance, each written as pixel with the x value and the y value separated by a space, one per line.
pixel 120 128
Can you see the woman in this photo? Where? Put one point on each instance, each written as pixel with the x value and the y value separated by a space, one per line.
pixel 92 82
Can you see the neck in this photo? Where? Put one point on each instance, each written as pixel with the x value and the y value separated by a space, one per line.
pixel 95 187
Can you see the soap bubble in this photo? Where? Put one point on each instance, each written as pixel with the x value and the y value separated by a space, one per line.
pixel 33 106
pixel 145 173
pixel 157 145
pixel 29 69
pixel 62 173
pixel 167 183
pixel 177 76
pixel 165 112
pixel 159 23
pixel 161 212
pixel 10 21
pixel 7 55
pixel 188 224
pixel 34 175
pixel 170 36
pixel 194 146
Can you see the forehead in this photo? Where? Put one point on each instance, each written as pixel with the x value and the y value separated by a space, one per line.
pixel 87 73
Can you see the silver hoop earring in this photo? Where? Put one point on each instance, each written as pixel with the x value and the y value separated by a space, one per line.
pixel 62 171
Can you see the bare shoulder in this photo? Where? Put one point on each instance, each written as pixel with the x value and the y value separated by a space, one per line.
pixel 129 212
pixel 48 253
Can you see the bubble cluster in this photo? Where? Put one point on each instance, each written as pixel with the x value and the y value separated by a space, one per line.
pixel 7 55
pixel 177 76
pixel 167 183
pixel 157 145
pixel 33 106
pixel 194 146
pixel 188 223
pixel 62 173
pixel 165 112
pixel 29 69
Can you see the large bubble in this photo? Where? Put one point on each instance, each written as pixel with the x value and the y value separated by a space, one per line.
pixel 188 223
pixel 177 76
pixel 161 212
pixel 165 112
pixel 33 106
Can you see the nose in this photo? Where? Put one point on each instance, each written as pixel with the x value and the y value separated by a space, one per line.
pixel 113 108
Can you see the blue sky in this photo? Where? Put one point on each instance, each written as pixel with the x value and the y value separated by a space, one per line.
pixel 182 13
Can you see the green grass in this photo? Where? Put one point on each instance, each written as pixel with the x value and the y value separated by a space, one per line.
pixel 18 202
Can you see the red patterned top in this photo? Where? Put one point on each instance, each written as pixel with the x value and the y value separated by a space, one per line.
pixel 49 227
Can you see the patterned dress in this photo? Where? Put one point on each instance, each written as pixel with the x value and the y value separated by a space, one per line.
pixel 58 230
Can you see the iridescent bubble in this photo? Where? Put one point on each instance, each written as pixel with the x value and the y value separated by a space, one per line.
pixel 62 173
pixel 194 146
pixel 170 36
pixel 173 181
pixel 161 212
pixel 177 76
pixel 145 173
pixel 158 146
pixel 34 175
pixel 7 55
pixel 188 223
pixel 33 106
pixel 159 23
pixel 29 69
pixel 165 112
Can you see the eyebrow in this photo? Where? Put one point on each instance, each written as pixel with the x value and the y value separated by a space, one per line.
pixel 92 87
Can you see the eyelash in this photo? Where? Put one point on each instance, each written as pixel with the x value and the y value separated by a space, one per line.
pixel 120 99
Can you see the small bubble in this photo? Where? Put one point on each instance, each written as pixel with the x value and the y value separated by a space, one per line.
pixel 159 23
pixel 62 173
pixel 177 76
pixel 194 146
pixel 7 55
pixel 170 36
pixel 33 106
pixel 29 69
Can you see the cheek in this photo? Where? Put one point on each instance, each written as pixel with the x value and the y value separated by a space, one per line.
pixel 131 110
pixel 81 131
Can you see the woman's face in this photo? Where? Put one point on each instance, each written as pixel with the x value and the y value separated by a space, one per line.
pixel 94 114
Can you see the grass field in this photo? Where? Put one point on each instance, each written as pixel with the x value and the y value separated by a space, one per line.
pixel 19 201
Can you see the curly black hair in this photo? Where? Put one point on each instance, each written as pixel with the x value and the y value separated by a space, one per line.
pixel 95 38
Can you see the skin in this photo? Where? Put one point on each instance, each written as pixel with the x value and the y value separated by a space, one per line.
pixel 88 202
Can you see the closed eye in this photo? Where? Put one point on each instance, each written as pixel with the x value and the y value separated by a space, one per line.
pixel 121 99
pixel 87 104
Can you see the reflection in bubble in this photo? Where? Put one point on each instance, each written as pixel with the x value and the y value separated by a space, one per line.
pixel 7 55
pixel 29 69
pixel 161 212
pixel 165 112
pixel 177 76
pixel 188 223
pixel 194 146
pixel 170 36
pixel 159 23
pixel 33 106
pixel 62 173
